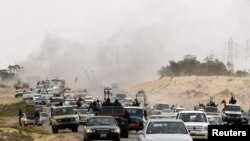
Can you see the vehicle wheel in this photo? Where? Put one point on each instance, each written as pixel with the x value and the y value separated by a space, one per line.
pixel 85 139
pixel 75 129
pixel 54 129
pixel 25 124
pixel 117 139
pixel 126 133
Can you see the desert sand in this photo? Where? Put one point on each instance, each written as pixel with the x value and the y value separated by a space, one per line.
pixel 7 96
pixel 188 91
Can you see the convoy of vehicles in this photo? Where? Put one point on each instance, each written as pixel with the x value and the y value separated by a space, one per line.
pixel 114 122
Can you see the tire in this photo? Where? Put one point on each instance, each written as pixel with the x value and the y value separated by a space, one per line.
pixel 117 139
pixel 75 129
pixel 126 133
pixel 54 129
pixel 85 139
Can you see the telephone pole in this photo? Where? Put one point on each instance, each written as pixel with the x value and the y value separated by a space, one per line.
pixel 247 48
pixel 230 54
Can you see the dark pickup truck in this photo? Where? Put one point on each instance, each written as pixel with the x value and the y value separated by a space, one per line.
pixel 120 115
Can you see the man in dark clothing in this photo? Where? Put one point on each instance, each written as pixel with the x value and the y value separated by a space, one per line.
pixel 107 102
pixel 145 114
pixel 90 106
pixel 20 116
pixel 117 103
pixel 136 103
pixel 37 116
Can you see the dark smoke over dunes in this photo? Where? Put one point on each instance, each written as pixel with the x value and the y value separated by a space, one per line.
pixel 127 57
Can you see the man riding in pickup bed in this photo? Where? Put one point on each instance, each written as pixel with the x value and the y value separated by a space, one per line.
pixel 232 100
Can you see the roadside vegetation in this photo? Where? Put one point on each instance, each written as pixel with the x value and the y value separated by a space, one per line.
pixel 11 109
pixel 16 133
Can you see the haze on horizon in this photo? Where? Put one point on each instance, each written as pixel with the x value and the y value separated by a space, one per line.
pixel 118 41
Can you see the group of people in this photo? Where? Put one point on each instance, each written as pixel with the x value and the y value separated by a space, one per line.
pixel 231 101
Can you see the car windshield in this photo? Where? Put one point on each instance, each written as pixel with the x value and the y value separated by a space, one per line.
pixel 218 120
pixel 232 108
pixel 88 98
pixel 193 117
pixel 211 109
pixel 44 114
pixel 135 112
pixel 166 128
pixel 167 110
pixel 162 106
pixel 97 121
pixel 120 96
pixel 57 100
pixel 63 111
pixel 159 117
pixel 212 121
pixel 112 111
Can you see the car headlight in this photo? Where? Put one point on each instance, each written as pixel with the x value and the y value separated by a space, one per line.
pixel 89 130
pixel 58 120
pixel 117 130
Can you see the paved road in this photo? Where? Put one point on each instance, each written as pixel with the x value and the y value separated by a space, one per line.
pixel 69 135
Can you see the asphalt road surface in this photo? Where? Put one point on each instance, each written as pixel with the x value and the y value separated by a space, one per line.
pixel 69 135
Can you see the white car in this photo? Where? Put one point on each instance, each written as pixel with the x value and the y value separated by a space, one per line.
pixel 88 99
pixel 19 93
pixel 165 130
pixel 83 115
pixel 44 116
pixel 26 120
pixel 215 120
pixel 196 122
pixel 166 112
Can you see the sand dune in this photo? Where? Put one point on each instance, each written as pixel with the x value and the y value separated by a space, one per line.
pixel 189 91
pixel 7 95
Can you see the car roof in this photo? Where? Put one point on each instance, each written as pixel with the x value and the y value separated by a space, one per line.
pixel 165 120
pixel 191 111
pixel 159 116
pixel 212 115
pixel 101 117
pixel 133 107
pixel 57 107
pixel 232 105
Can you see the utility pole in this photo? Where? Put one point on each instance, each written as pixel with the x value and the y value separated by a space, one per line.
pixel 247 48
pixel 230 54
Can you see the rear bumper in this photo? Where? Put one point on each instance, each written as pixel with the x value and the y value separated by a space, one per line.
pixel 232 119
pixel 97 136
pixel 66 125
pixel 135 127
pixel 199 135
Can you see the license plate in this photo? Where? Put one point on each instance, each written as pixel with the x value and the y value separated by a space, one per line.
pixel 103 135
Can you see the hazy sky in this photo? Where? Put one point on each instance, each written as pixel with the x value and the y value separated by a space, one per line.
pixel 139 35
